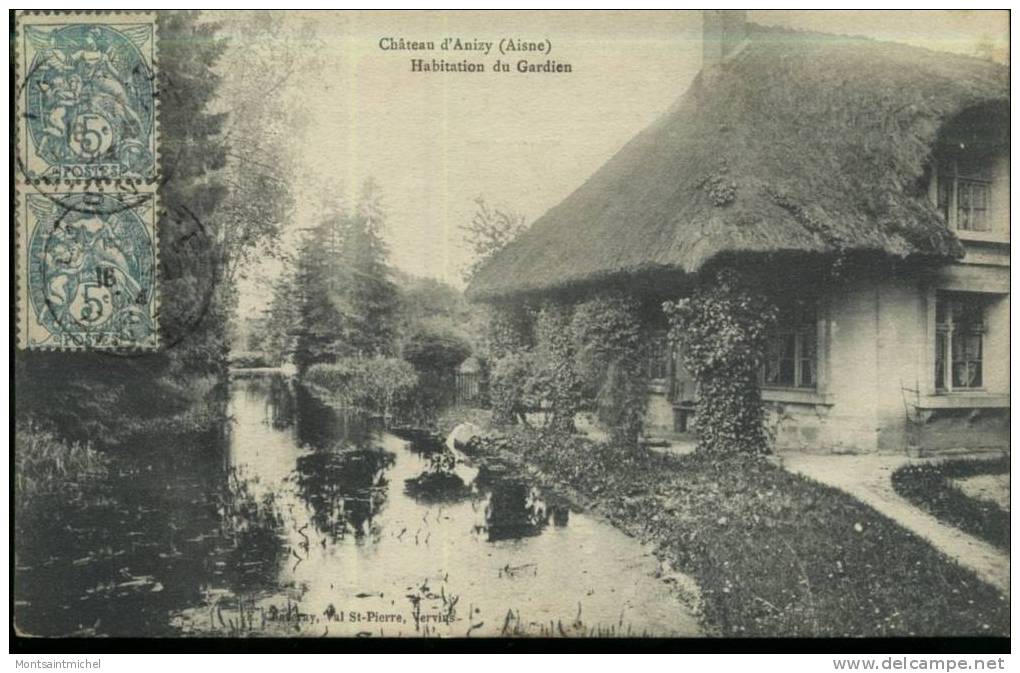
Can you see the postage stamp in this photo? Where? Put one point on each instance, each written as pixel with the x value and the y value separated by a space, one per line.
pixel 87 276
pixel 87 97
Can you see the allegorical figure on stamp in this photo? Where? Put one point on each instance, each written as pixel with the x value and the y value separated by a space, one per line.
pixel 90 97
pixel 91 271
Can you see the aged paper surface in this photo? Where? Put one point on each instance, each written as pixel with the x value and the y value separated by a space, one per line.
pixel 511 324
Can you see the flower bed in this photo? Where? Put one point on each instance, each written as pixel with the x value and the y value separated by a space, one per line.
pixel 930 487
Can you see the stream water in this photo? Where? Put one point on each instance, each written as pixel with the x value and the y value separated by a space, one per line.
pixel 293 520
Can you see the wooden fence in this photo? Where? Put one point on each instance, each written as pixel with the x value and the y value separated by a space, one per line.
pixel 470 387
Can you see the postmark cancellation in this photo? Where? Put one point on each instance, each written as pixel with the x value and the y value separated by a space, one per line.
pixel 88 271
pixel 87 98
pixel 87 164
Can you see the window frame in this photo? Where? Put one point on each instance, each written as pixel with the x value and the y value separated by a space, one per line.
pixel 945 331
pixel 658 344
pixel 951 214
pixel 796 330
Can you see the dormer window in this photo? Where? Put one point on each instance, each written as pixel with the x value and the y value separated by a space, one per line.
pixel 970 173
pixel 964 188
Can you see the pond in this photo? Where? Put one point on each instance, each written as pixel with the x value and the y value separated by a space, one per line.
pixel 294 520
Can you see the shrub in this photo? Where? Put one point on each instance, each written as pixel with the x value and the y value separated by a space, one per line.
pixel 378 385
pixel 435 353
pixel 435 349
pixel 722 330
pixel 576 357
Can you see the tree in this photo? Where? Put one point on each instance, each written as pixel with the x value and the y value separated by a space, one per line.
pixel 368 296
pixel 192 311
pixel 315 284
pixel 347 300
pixel 275 332
pixel 490 230
pixel 257 160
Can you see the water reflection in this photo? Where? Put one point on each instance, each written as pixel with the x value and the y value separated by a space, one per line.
pixel 119 555
pixel 319 426
pixel 439 483
pixel 280 402
pixel 250 547
pixel 515 509
pixel 345 488
pixel 289 518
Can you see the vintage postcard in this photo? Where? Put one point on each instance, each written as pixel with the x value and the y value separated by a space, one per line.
pixel 510 325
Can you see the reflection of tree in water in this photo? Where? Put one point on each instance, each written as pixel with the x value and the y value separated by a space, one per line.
pixel 280 404
pixel 438 483
pixel 345 488
pixel 277 393
pixel 319 425
pixel 516 509
pixel 250 549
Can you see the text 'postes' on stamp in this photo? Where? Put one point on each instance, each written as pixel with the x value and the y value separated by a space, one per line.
pixel 87 115
pixel 88 271
pixel 87 103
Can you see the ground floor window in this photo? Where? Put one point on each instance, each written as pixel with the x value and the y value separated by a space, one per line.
pixel 959 341
pixel 658 361
pixel 791 356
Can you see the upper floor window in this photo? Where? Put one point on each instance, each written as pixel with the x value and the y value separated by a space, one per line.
pixel 964 193
pixel 791 356
pixel 970 171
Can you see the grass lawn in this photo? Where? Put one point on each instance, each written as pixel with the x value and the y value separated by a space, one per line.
pixel 931 487
pixel 774 554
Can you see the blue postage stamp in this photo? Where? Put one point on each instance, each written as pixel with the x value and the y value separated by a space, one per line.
pixel 88 271
pixel 87 97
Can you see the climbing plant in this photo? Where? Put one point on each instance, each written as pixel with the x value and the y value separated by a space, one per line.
pixel 510 329
pixel 610 344
pixel 721 329
pixel 509 387
pixel 576 356
pixel 508 346
pixel 555 380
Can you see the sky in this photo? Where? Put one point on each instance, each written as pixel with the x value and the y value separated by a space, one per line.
pixel 436 141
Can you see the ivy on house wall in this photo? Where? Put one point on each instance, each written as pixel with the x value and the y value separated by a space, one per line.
pixel 510 340
pixel 511 328
pixel 611 346
pixel 555 379
pixel 721 330
pixel 586 355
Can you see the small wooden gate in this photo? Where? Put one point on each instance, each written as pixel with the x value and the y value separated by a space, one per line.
pixel 469 387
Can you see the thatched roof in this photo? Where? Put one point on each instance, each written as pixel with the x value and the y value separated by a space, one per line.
pixel 801 142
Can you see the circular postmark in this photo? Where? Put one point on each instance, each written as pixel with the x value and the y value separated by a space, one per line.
pixel 92 272
pixel 188 275
pixel 93 278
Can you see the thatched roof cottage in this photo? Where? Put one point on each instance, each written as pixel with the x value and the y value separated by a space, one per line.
pixel 796 151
